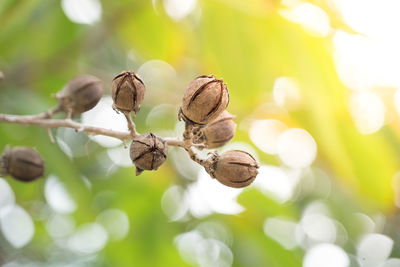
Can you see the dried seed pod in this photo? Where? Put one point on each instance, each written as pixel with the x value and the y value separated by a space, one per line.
pixel 234 168
pixel 1 75
pixel 22 163
pixel 127 92
pixel 80 94
pixel 148 152
pixel 204 100
pixel 217 133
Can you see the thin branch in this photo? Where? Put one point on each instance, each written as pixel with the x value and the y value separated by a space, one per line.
pixel 44 115
pixel 67 123
pixel 43 120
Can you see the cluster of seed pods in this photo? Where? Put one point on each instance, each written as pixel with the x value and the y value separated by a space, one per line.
pixel 203 110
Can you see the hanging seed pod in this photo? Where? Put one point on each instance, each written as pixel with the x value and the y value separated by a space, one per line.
pixel 148 152
pixel 127 92
pixel 217 133
pixel 1 75
pixel 22 163
pixel 234 168
pixel 204 100
pixel 80 94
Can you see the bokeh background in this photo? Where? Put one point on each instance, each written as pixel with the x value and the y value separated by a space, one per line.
pixel 314 86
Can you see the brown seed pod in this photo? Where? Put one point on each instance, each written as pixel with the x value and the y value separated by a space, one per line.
pixel 234 168
pixel 22 163
pixel 127 92
pixel 204 100
pixel 148 151
pixel 217 133
pixel 80 94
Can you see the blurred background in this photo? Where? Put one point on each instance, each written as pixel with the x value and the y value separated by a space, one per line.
pixel 314 86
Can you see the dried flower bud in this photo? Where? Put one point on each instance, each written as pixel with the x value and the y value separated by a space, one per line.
pixel 127 92
pixel 80 94
pixel 234 168
pixel 217 133
pixel 22 163
pixel 204 100
pixel 148 152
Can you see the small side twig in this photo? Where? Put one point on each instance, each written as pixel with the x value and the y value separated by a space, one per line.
pixel 188 145
pixel 174 142
pixel 48 113
pixel 50 135
pixel 131 124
